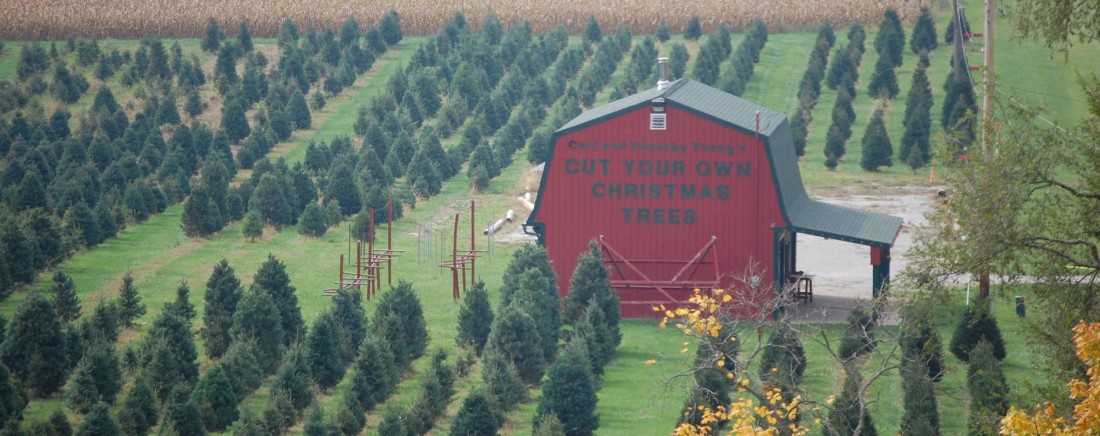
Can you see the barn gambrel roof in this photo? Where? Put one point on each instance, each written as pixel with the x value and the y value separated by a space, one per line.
pixel 804 214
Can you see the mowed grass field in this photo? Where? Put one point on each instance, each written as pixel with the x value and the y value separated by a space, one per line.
pixel 635 397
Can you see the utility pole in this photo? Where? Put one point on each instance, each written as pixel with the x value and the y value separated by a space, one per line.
pixel 957 43
pixel 987 120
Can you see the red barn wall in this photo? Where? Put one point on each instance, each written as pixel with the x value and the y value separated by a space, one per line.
pixel 633 185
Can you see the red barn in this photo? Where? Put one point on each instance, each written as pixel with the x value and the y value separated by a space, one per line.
pixel 683 186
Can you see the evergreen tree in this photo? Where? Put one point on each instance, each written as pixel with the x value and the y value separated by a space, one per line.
pixel 476 417
pixel 244 36
pixel 105 101
pixel 83 395
pixel 56 425
pixel 877 148
pixel 977 324
pixel 269 200
pixel 130 306
pixel 167 113
pixel 341 188
pixel 884 82
pixel 223 293
pixel 409 337
pixel 273 279
pixel 242 367
pixel 590 280
pixel 212 40
pixel 326 360
pixel 216 400
pixel 178 356
pixel 693 30
pixel 988 390
pixel 11 400
pixel 924 33
pixel 390 25
pixel 298 111
pixel 662 32
pixel 253 227
pixel 293 376
pixel 890 41
pixel 918 119
pixel 315 423
pixel 543 309
pixel 139 410
pixel 921 417
pixel 225 68
pixel 527 256
pixel 475 318
pixel 570 394
pixel 502 382
pixel 422 176
pixel 234 121
pixel 98 422
pixel 921 342
pixel 783 360
pixel 374 373
pixel 182 306
pixel 97 378
pixel 351 321
pixel 66 302
pixel 850 414
pixel 959 111
pixel 181 413
pixel 248 425
pixel 103 324
pixel 859 337
pixel 592 33
pixel 313 221
pixel 257 318
pixel 515 335
pixel 35 348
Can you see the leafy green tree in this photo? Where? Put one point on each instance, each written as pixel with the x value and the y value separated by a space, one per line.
pixel 921 416
pixel 988 390
pixel 693 30
pixel 918 119
pixel 298 111
pixel 130 306
pixel 234 121
pixel 341 188
pixel 225 69
pixel 543 309
pixel 178 356
pixel 223 293
pixel 884 82
pixel 408 336
pixel 662 32
pixel 842 71
pixel 977 324
pixel 97 378
pixel 103 324
pixel 98 422
pixel 244 37
pixel 242 367
pixel 570 394
pixel 374 373
pixel 216 400
pixel 592 33
pixel 475 318
pixel 850 414
pixel 476 417
pixel 515 336
pixel 326 361
pixel 181 413
pixel 293 376
pixel 35 348
pixel 503 384
pixel 182 306
pixel 890 41
pixel 390 24
pixel 527 256
pixel 212 40
pixel 877 147
pixel 351 321
pixel 273 279
pixel 924 33
pixel 590 280
pixel 66 302
pixel 83 395
pixel 257 319
pixel 253 227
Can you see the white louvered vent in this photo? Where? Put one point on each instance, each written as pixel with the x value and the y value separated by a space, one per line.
pixel 657 121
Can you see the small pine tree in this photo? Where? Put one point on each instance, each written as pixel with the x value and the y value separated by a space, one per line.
pixel 924 33
pixel 326 361
pixel 374 373
pixel 216 400
pixel 257 318
pixel 212 40
pixel 915 142
pixel 784 359
pixel 223 293
pixel 570 394
pixel 850 414
pixel 313 221
pixel 244 37
pixel 988 390
pixel 139 410
pixel 65 300
pixel 293 377
pixel 502 382
pixel 693 30
pixel 181 413
pixel 35 348
pixel 315 423
pixel 351 321
pixel 475 318
pixel 977 324
pixel 890 41
pixel 884 82
pixel 921 416
pixel 662 33
pixel 242 367
pixel 182 307
pixel 921 342
pixel 515 335
pixel 298 111
pixel 234 121
pixel 859 338
pixel 82 393
pixel 399 318
pixel 273 279
pixel 476 417
pixel 592 33
pixel 253 227
pixel 98 422
pixel 130 306
pixel 877 148
pixel 11 400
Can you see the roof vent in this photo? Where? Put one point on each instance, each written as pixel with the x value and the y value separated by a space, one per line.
pixel 662 74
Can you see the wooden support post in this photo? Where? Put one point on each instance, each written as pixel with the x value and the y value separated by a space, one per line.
pixel 473 246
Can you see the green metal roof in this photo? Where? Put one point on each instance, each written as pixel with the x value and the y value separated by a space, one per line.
pixel 803 214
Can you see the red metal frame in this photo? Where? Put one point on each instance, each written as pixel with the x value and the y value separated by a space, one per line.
pixel 369 264
pixel 618 261
pixel 465 260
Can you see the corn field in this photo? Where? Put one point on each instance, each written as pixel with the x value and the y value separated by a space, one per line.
pixel 59 19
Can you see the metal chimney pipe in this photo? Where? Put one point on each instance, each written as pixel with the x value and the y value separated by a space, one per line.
pixel 662 74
